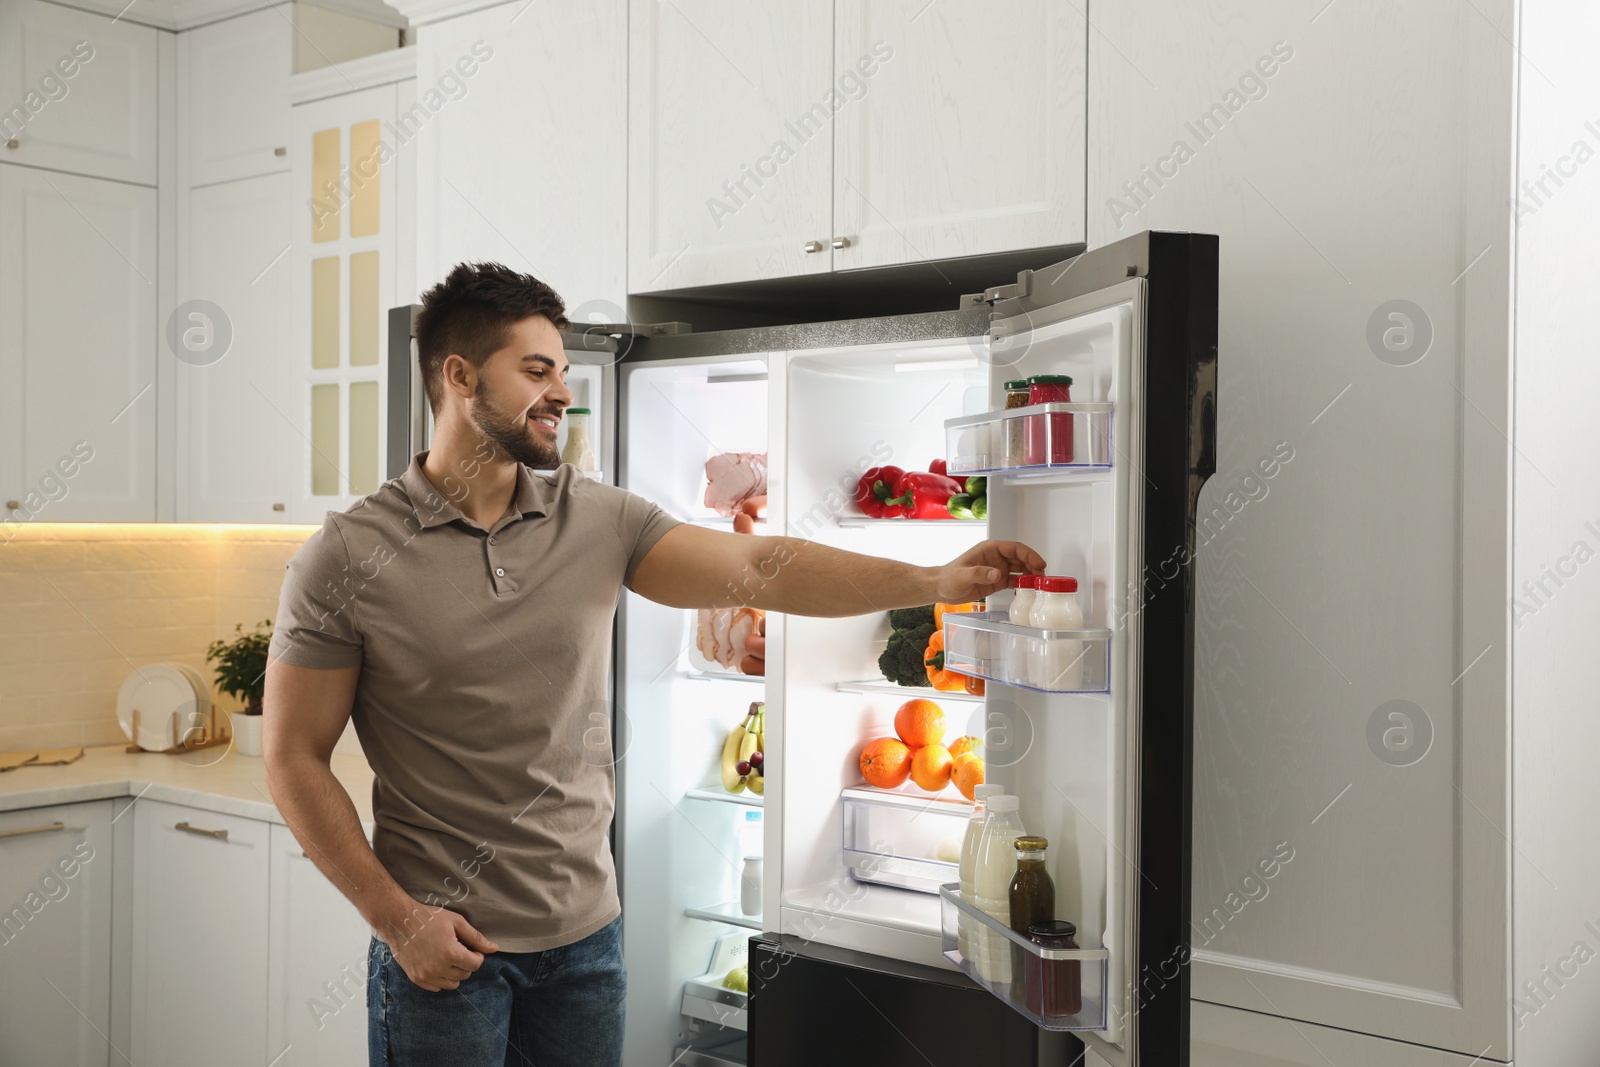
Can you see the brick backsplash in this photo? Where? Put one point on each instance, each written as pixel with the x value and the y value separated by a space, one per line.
pixel 82 604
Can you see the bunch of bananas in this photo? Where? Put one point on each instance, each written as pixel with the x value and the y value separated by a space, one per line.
pixel 744 753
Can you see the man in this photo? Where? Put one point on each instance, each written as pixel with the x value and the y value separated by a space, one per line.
pixel 462 616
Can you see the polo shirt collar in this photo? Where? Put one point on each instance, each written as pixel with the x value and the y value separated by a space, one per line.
pixel 432 508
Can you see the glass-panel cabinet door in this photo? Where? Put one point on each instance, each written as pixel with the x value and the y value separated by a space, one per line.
pixel 345 245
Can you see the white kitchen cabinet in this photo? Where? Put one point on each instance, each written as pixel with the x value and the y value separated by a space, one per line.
pixel 80 90
pixel 78 337
pixel 730 141
pixel 200 937
pixel 55 936
pixel 961 131
pixel 515 165
pixel 234 98
pixel 316 978
pixel 241 428
pixel 346 236
pixel 772 141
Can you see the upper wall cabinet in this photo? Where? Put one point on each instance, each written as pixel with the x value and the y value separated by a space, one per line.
pixel 515 109
pixel 77 348
pixel 777 140
pixel 730 135
pixel 962 129
pixel 235 98
pixel 80 92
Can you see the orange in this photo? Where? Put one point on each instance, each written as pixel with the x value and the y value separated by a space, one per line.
pixel 885 762
pixel 930 767
pixel 920 722
pixel 967 773
pixel 962 745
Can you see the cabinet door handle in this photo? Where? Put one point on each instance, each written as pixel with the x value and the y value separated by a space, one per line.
pixel 841 242
pixel 277 507
pixel 220 835
pixel 13 144
pixel 813 246
pixel 14 505
pixel 45 829
pixel 280 152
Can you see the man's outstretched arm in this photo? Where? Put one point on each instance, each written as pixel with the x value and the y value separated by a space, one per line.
pixel 693 567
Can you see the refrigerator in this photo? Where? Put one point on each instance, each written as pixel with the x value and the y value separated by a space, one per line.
pixel 859 948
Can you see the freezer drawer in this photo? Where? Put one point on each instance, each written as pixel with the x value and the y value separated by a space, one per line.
pixel 881 1013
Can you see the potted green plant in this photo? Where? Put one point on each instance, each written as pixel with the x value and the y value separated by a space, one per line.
pixel 241 669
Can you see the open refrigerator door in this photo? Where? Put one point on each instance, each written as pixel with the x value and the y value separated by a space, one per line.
pixel 690 841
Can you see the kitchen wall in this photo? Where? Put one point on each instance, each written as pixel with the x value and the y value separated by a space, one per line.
pixel 82 603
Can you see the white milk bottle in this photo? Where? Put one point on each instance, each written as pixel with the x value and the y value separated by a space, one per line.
pixel 1016 648
pixel 1057 662
pixel 969 862
pixel 996 866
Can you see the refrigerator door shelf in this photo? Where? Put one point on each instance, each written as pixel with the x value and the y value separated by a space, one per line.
pixel 1032 979
pixel 985 645
pixel 1038 439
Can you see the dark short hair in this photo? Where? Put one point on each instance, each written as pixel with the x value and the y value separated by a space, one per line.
pixel 470 314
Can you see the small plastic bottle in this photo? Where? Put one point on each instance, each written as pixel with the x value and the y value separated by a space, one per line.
pixel 992 874
pixel 969 860
pixel 1015 668
pixel 1057 662
pixel 578 451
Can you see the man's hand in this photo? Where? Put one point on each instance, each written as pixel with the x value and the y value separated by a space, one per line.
pixel 442 952
pixel 985 568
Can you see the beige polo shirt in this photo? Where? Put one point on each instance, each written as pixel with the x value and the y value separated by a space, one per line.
pixel 482 703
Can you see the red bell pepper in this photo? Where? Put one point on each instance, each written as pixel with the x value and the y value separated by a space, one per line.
pixel 939 466
pixel 873 492
pixel 925 495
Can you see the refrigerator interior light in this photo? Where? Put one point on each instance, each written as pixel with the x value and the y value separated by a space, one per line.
pixel 936 364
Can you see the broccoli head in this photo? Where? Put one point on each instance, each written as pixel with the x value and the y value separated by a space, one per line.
pixel 902 661
pixel 911 618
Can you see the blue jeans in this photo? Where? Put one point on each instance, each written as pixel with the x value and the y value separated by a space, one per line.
pixel 559 1008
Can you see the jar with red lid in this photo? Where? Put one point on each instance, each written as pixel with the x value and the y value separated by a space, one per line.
pixel 1048 438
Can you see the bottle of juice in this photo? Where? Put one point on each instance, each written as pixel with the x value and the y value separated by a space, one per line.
pixel 969 861
pixel 1033 900
pixel 996 866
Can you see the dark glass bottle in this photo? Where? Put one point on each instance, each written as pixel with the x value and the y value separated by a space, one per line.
pixel 1033 900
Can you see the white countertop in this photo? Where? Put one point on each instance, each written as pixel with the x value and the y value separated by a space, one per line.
pixel 229 784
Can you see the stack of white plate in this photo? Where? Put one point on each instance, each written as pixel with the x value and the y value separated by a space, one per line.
pixel 158 690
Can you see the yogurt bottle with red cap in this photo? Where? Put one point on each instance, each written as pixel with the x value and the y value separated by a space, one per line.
pixel 1056 663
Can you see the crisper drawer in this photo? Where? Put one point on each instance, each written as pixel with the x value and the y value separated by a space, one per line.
pixel 1058 989
pixel 903 839
pixel 986 645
